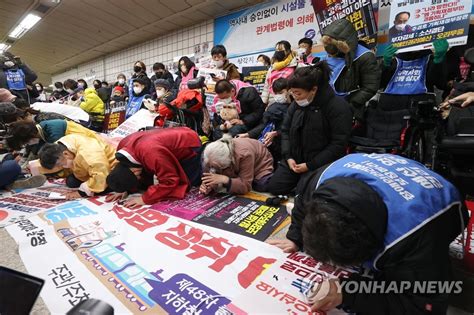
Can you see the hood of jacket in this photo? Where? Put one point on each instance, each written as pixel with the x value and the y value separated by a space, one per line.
pixel 360 199
pixel 342 34
pixel 90 91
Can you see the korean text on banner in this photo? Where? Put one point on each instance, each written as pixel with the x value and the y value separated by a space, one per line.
pixel 414 25
pixel 260 27
pixel 359 12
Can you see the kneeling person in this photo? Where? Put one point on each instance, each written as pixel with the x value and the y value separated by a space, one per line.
pixel 89 159
pixel 165 161
pixel 399 227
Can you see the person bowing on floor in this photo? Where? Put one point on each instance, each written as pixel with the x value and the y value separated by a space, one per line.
pixel 165 162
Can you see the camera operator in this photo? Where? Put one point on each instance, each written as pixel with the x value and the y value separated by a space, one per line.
pixel 17 77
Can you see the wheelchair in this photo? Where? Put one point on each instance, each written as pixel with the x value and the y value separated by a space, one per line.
pixel 396 124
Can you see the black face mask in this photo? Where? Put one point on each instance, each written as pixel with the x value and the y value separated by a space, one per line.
pixel 97 86
pixel 159 74
pixel 331 49
pixel 279 55
pixel 137 69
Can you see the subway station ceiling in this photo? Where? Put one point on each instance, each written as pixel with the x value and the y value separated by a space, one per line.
pixel 76 31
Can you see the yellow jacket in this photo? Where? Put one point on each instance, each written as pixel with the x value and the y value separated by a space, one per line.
pixel 94 159
pixel 92 104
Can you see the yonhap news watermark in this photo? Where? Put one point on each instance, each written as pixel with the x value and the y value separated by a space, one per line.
pixel 388 287
pixel 400 287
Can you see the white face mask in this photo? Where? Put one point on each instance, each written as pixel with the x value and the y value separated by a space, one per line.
pixel 160 93
pixel 38 88
pixel 260 64
pixel 226 100
pixel 121 81
pixel 9 64
pixel 60 89
pixel 400 27
pixel 280 98
pixel 69 91
pixel 137 89
pixel 218 63
pixel 301 51
pixel 303 103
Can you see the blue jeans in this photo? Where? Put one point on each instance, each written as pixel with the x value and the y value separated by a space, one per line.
pixel 9 171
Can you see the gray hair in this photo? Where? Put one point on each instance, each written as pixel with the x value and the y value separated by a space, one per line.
pixel 220 152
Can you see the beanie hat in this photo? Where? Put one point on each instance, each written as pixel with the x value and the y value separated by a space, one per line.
pixel 163 83
pixel 119 88
pixel 122 179
pixel 6 96
pixel 140 80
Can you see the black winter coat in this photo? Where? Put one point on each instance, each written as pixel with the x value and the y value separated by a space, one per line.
pixel 360 77
pixel 318 133
pixel 251 105
pixel 422 256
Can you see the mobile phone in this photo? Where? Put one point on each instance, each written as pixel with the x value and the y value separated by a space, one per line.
pixel 213 75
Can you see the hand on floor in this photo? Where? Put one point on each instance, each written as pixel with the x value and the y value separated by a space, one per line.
pixel 286 245
pixel 116 197
pixel 134 202
pixel 72 195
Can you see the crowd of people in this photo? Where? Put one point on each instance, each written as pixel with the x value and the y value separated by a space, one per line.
pixel 279 141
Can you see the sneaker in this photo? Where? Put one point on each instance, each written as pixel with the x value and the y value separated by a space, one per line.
pixel 32 182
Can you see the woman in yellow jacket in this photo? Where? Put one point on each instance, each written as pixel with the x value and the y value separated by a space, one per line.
pixel 94 106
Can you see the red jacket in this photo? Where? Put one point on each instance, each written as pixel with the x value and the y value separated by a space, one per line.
pixel 159 152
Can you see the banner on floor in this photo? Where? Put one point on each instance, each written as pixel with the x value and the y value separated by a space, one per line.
pixel 245 216
pixel 143 261
pixel 415 25
pixel 27 203
pixel 359 12
pixel 258 28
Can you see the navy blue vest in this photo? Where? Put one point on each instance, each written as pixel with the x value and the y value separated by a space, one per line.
pixel 413 194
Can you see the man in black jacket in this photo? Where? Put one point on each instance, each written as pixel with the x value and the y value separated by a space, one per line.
pixel 160 73
pixel 355 72
pixel 389 214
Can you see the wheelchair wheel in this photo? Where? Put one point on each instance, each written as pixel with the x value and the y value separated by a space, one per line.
pixel 416 147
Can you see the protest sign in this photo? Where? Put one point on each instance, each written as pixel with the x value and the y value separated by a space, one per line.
pixel 359 12
pixel 241 215
pixel 255 76
pixel 143 118
pixel 209 74
pixel 114 115
pixel 415 25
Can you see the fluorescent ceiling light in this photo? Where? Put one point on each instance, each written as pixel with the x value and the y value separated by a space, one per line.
pixel 4 47
pixel 25 25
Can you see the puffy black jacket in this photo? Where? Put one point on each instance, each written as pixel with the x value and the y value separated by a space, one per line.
pixel 251 106
pixel 274 113
pixel 318 133
pixel 361 76
pixel 166 76
pixel 422 256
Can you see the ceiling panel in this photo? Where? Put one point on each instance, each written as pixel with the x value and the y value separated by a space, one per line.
pixel 77 31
